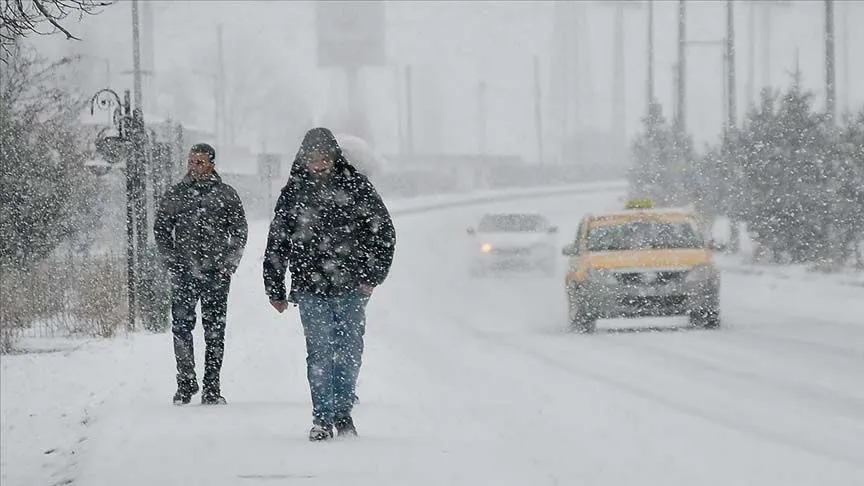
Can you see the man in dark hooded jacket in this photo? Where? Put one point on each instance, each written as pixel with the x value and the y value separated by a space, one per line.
pixel 200 230
pixel 333 232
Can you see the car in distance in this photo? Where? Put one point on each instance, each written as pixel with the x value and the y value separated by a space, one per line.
pixel 513 241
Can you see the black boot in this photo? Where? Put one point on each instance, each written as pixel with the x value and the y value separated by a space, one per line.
pixel 214 340
pixel 187 383
pixel 184 392
pixel 212 390
pixel 210 397
pixel 345 427
pixel 320 432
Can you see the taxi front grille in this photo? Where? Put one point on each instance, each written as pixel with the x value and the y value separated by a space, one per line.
pixel 653 302
pixel 650 278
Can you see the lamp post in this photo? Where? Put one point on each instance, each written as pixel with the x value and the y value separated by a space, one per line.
pixel 113 149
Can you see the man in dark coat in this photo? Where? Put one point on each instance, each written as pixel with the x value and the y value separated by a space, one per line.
pixel 333 232
pixel 201 232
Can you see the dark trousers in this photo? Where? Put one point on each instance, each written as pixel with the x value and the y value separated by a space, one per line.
pixel 212 291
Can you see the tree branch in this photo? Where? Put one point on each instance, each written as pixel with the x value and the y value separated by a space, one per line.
pixel 19 18
pixel 54 21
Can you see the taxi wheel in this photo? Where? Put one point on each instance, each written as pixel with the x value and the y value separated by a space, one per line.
pixel 584 326
pixel 581 322
pixel 705 318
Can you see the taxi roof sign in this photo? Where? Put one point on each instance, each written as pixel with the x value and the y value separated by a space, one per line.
pixel 639 204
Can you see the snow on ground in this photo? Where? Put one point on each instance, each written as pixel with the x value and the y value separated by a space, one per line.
pixel 468 381
pixel 743 263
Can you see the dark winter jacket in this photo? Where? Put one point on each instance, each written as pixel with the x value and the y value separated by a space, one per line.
pixel 201 227
pixel 332 236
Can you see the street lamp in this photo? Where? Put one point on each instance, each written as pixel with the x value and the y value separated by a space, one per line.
pixel 111 150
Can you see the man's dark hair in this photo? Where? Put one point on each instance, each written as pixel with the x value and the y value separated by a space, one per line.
pixel 204 148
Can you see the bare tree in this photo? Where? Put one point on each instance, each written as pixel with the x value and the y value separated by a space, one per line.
pixel 20 18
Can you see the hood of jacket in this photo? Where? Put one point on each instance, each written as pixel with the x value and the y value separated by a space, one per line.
pixel 320 139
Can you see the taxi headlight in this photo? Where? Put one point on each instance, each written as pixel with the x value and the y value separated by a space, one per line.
pixel 486 248
pixel 699 273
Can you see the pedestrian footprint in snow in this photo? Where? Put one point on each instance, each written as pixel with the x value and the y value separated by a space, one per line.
pixel 334 235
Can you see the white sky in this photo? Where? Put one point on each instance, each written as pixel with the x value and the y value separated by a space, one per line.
pixel 271 47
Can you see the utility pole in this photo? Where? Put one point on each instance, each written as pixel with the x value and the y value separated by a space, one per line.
pixel 481 116
pixel 751 53
pixel 538 110
pixel 559 81
pixel 722 45
pixel 618 86
pixel 409 103
pixel 400 130
pixel 582 100
pixel 730 65
pixel 767 8
pixel 681 92
pixel 220 88
pixel 619 83
pixel 765 78
pixel 136 56
pixel 847 105
pixel 830 87
pixel 570 76
pixel 650 78
pixel 136 183
pixel 147 58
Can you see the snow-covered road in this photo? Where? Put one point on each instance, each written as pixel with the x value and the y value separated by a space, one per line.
pixel 473 381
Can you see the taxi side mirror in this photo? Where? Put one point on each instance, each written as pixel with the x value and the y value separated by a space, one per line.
pixel 570 250
pixel 470 230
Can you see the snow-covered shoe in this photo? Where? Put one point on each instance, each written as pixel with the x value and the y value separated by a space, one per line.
pixel 184 393
pixel 320 432
pixel 212 399
pixel 345 427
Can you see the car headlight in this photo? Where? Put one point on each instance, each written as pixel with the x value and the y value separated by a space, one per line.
pixel 486 248
pixel 699 273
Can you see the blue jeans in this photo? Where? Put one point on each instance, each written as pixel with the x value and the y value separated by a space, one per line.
pixel 334 329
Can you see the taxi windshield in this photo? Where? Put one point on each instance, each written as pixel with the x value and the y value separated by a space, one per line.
pixel 643 235
pixel 507 223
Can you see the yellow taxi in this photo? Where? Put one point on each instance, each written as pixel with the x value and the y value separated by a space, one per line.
pixel 639 262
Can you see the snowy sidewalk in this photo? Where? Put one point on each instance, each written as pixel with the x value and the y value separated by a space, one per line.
pixel 466 382
pixel 846 276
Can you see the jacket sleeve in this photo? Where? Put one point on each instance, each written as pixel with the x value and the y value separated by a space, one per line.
pixel 381 244
pixel 163 229
pixel 238 229
pixel 276 255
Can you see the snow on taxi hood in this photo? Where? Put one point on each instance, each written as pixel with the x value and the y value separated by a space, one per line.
pixel 616 260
